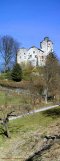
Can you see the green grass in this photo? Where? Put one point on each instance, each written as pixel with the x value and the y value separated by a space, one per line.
pixel 35 121
pixel 23 131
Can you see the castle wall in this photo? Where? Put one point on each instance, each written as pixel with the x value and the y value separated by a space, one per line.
pixel 35 56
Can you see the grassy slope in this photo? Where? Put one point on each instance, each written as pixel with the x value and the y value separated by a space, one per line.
pixel 19 102
pixel 26 134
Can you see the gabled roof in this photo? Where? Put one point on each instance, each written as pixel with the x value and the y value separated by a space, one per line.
pixel 36 48
pixel 33 47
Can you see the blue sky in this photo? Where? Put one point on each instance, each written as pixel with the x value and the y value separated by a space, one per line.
pixel 29 21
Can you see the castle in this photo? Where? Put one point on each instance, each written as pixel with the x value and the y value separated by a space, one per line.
pixel 35 56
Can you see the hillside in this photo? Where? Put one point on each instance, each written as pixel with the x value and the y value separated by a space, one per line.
pixel 28 137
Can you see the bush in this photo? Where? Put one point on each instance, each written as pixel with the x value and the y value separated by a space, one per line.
pixel 16 74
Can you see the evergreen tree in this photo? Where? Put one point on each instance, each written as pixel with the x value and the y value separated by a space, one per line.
pixel 16 73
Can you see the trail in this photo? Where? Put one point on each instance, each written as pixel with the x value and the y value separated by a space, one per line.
pixel 34 111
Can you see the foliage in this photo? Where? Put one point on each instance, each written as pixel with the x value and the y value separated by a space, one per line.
pixel 16 73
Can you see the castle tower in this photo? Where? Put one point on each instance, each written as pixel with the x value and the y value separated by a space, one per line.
pixel 46 46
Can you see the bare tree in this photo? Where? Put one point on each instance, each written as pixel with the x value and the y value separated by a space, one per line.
pixel 8 51
pixel 51 75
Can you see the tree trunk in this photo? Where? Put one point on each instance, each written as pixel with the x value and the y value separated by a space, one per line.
pixel 6 131
pixel 46 96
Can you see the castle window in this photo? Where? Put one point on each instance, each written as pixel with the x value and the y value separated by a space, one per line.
pixel 30 56
pixel 42 57
pixel 35 56
pixel 33 51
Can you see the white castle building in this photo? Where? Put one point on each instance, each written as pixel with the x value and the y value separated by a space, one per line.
pixel 35 56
